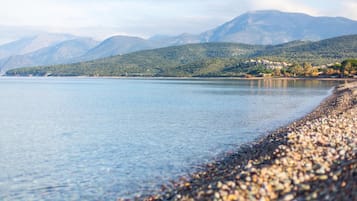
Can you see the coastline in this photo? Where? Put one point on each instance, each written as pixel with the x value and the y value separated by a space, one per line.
pixel 313 158
pixel 189 78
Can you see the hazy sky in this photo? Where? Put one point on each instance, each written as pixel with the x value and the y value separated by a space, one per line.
pixel 102 18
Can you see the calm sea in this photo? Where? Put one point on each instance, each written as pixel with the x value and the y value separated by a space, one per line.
pixel 100 139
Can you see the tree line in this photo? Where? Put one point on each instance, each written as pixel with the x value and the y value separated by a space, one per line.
pixel 347 68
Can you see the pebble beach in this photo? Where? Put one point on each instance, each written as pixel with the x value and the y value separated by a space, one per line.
pixel 314 158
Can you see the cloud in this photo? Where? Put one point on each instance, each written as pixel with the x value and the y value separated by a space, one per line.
pixel 349 8
pixel 284 5
pixel 38 13
pixel 101 18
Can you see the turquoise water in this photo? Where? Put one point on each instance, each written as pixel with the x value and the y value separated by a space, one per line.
pixel 100 139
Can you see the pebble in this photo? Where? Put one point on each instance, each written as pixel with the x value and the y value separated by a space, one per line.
pixel 288 197
pixel 311 159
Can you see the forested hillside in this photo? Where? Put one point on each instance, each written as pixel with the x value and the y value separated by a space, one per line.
pixel 209 59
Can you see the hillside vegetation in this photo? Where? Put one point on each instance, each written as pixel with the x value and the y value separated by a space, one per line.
pixel 209 59
pixel 169 61
pixel 322 52
pixel 264 27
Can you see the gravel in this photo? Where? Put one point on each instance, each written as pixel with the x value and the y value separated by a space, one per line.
pixel 313 158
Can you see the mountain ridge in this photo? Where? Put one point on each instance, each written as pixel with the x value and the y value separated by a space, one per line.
pixel 205 59
pixel 32 43
pixel 268 27
pixel 63 52
pixel 274 27
pixel 117 45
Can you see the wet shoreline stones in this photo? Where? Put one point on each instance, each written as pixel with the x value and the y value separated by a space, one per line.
pixel 314 158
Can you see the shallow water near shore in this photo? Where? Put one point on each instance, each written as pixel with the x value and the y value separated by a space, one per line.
pixel 100 139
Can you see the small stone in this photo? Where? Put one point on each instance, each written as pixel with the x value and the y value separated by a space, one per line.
pixel 244 187
pixel 334 177
pixel 209 192
pixel 223 193
pixel 305 187
pixel 342 152
pixel 225 187
pixel 279 187
pixel 288 197
pixel 231 184
pixel 232 197
pixel 321 171
pixel 216 195
pixel 314 195
pixel 249 165
pixel 323 177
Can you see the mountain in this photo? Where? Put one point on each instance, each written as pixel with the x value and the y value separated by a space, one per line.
pixel 117 45
pixel 157 62
pixel 60 53
pixel 267 27
pixel 274 27
pixel 31 44
pixel 324 51
pixel 182 39
pixel 209 59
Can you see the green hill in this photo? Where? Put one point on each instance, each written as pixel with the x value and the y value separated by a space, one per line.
pixel 209 59
pixel 321 52
pixel 157 62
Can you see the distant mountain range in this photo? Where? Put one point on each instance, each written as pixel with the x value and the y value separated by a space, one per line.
pixel 268 27
pixel 203 60
pixel 66 51
pixel 31 44
pixel 117 45
pixel 274 27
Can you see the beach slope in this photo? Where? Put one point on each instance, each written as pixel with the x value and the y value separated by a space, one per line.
pixel 314 158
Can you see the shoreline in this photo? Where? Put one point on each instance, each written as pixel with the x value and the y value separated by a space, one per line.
pixel 188 78
pixel 312 158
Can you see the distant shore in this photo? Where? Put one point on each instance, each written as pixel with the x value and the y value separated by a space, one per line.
pixel 191 78
pixel 228 78
pixel 313 158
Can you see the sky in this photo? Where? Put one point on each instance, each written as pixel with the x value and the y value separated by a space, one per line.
pixel 145 18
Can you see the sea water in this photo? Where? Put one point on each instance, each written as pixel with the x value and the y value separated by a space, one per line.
pixel 100 139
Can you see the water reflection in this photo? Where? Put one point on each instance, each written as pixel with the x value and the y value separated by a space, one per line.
pixel 98 139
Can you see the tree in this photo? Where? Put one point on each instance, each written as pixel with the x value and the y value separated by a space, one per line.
pixel 296 70
pixel 277 72
pixel 329 71
pixel 347 67
pixel 315 72
pixel 343 68
pixel 307 69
